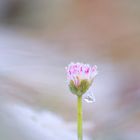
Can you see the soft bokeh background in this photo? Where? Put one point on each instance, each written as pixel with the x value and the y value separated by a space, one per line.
pixel 38 38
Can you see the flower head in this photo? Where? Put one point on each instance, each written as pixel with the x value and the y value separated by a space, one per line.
pixel 80 77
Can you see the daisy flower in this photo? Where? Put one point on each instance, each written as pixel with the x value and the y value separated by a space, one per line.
pixel 80 77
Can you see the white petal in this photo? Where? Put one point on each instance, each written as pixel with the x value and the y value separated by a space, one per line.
pixel 89 96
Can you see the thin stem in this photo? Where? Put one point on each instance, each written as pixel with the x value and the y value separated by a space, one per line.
pixel 79 118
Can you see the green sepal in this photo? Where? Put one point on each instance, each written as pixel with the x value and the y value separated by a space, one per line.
pixel 81 89
pixel 73 88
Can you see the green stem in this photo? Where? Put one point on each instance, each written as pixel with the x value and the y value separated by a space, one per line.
pixel 79 118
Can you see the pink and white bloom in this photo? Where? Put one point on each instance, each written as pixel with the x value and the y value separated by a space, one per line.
pixel 80 77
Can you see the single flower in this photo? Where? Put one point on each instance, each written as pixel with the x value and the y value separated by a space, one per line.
pixel 80 77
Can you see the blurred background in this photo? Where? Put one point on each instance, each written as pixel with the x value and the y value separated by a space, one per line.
pixel 38 38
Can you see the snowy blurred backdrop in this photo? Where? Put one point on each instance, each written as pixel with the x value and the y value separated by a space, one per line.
pixel 38 38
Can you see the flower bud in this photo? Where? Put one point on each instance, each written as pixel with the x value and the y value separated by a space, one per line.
pixel 80 77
